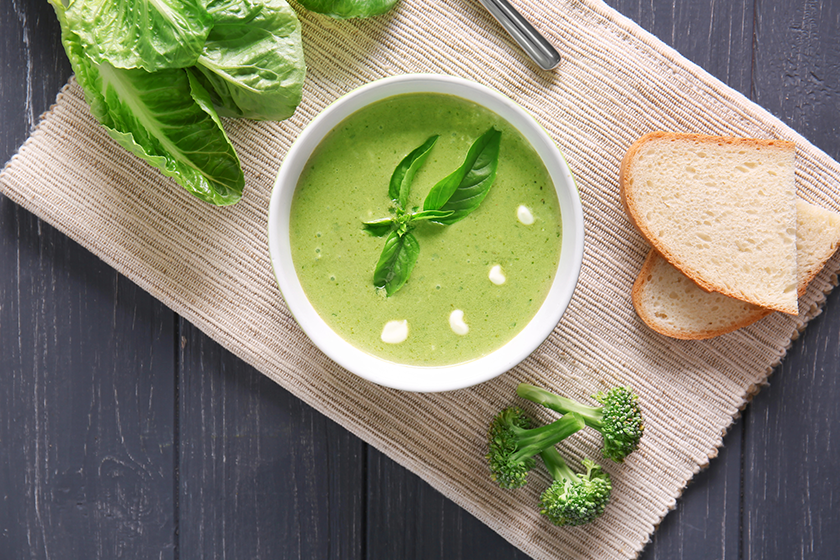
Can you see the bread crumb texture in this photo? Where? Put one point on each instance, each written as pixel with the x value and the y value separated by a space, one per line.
pixel 722 210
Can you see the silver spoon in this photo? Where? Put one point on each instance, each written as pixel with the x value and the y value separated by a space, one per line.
pixel 532 42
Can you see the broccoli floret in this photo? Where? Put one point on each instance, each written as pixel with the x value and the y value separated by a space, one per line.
pixel 619 419
pixel 513 444
pixel 574 499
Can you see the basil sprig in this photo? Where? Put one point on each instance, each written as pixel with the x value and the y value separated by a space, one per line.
pixel 463 190
pixel 396 261
pixel 452 199
pixel 400 184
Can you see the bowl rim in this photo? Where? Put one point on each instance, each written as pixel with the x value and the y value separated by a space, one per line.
pixel 412 377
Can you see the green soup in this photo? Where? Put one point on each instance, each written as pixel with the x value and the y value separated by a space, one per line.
pixel 345 182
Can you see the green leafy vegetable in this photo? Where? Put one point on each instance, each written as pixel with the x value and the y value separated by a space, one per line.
pixel 396 262
pixel 381 227
pixel 435 215
pixel 178 132
pixel 148 34
pixel 457 198
pixel 403 175
pixel 463 190
pixel 252 63
pixel 378 228
pixel 344 9
pixel 164 117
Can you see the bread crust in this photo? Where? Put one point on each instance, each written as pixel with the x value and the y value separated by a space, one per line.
pixel 637 295
pixel 818 230
pixel 629 203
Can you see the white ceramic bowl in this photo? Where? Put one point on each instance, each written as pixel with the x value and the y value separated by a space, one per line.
pixel 419 378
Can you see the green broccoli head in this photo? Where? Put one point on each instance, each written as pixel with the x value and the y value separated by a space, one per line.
pixel 574 499
pixel 621 425
pixel 619 419
pixel 513 443
pixel 504 444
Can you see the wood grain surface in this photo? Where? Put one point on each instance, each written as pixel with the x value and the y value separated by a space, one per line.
pixel 126 433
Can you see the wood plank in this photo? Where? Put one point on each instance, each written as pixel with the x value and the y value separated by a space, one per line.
pixel 797 67
pixel 706 521
pixel 408 519
pixel 790 490
pixel 86 402
pixel 717 36
pixel 34 68
pixel 86 398
pixel 262 475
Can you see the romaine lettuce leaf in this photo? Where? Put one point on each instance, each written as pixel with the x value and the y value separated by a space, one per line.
pixel 252 64
pixel 344 9
pixel 148 34
pixel 165 117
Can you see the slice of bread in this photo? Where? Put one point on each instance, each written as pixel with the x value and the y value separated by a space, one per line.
pixel 721 210
pixel 671 304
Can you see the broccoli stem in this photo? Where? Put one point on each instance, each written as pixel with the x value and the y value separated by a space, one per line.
pixel 592 415
pixel 532 441
pixel 557 466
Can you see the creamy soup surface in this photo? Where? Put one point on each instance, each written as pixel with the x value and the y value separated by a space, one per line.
pixel 476 283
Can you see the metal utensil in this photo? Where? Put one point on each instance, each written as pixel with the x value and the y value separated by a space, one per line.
pixel 531 41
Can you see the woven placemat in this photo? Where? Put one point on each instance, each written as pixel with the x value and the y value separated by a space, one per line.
pixel 615 83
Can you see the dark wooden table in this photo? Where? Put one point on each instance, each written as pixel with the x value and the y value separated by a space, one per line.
pixel 126 433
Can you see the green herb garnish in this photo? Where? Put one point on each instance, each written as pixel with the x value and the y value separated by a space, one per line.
pixel 403 176
pixel 396 261
pixel 345 9
pixel 452 199
pixel 464 189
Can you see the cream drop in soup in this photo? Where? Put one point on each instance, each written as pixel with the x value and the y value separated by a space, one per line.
pixel 476 283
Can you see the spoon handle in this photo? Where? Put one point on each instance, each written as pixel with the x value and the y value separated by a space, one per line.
pixel 531 41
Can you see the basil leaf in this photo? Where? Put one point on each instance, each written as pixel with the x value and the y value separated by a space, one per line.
pixel 403 175
pixel 344 9
pixel 378 228
pixel 252 63
pixel 148 34
pixel 165 118
pixel 396 262
pixel 464 189
pixel 430 215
